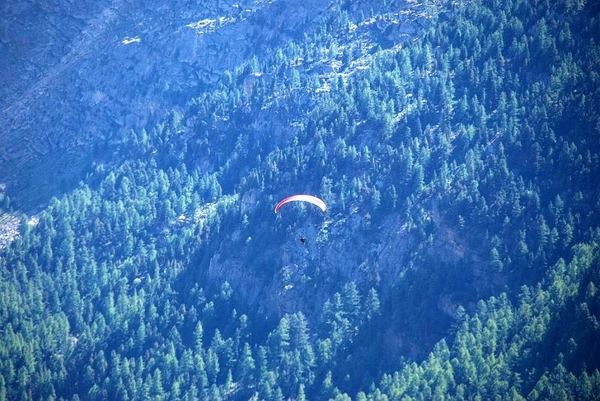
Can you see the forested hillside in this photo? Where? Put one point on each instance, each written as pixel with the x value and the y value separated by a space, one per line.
pixel 457 146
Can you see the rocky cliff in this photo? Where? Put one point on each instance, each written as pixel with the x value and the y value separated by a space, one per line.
pixel 79 77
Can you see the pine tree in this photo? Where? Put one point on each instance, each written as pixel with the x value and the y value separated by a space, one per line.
pixel 372 304
pixel 246 369
pixel 156 390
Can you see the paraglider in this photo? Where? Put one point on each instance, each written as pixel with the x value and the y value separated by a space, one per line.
pixel 302 198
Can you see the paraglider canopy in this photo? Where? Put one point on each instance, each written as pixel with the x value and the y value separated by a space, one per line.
pixel 302 198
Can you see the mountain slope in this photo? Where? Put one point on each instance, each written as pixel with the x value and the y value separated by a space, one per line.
pixel 455 146
pixel 95 74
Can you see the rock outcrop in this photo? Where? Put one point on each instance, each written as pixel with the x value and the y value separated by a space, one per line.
pixel 79 79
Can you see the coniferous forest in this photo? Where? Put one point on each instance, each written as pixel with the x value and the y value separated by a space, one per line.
pixel 459 257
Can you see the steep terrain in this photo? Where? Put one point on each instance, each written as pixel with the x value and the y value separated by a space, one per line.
pixel 121 68
pixel 455 144
pixel 81 78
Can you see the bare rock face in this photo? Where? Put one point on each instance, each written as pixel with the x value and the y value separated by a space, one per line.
pixel 34 36
pixel 79 77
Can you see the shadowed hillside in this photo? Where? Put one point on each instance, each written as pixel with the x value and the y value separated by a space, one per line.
pixel 455 144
